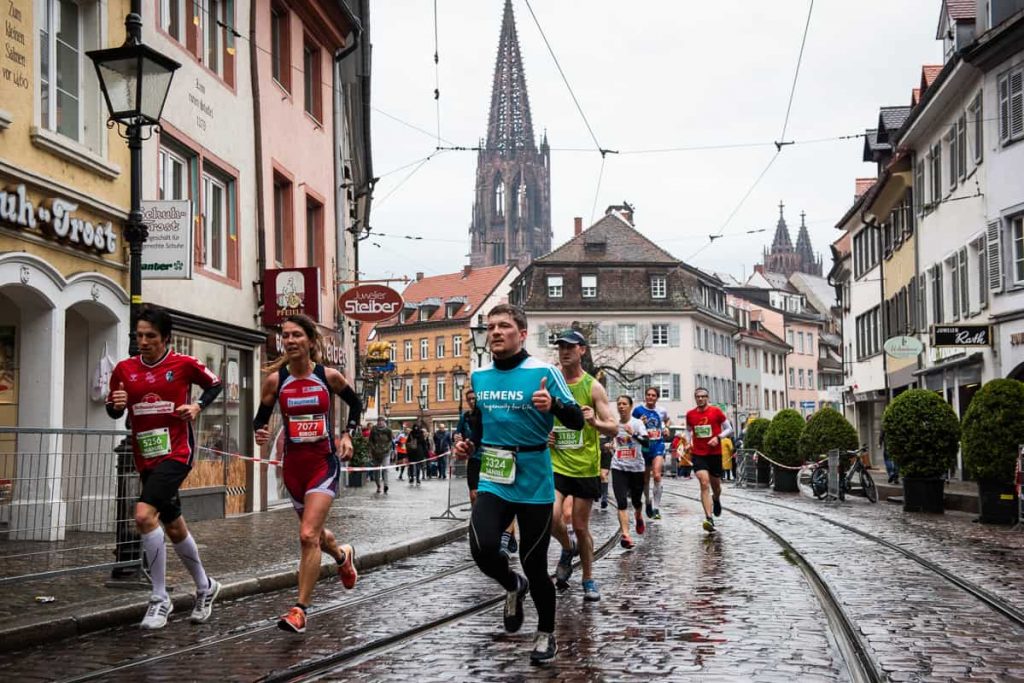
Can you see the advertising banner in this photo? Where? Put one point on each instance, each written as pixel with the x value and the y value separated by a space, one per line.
pixel 290 291
pixel 167 253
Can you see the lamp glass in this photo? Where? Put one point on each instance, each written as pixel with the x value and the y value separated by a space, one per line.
pixel 479 338
pixel 460 379
pixel 120 79
pixel 396 382
pixel 156 83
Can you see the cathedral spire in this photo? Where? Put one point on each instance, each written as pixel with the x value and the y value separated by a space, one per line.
pixel 509 125
pixel 782 242
pixel 808 261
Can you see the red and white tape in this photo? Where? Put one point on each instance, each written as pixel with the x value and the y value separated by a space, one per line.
pixel 279 463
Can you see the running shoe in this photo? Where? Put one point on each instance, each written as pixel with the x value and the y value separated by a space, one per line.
pixel 157 612
pixel 544 648
pixel 716 506
pixel 709 525
pixel 294 621
pixel 513 544
pixel 657 514
pixel 604 503
pixel 513 616
pixel 203 607
pixel 347 567
pixel 564 569
pixel 650 510
pixel 627 543
pixel 385 489
pixel 590 593
pixel 640 526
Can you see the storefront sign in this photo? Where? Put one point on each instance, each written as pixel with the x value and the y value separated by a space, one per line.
pixel 903 347
pixel 167 254
pixel 290 291
pixel 1017 339
pixel 56 219
pixel 370 303
pixel 961 335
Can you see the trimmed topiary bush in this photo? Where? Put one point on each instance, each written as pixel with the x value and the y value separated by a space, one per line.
pixel 754 437
pixel 827 429
pixel 992 429
pixel 922 434
pixel 782 440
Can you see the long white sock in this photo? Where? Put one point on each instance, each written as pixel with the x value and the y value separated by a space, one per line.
pixel 657 495
pixel 189 554
pixel 156 559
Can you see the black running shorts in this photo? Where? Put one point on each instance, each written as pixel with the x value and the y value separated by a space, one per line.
pixel 160 488
pixel 711 463
pixel 606 459
pixel 588 488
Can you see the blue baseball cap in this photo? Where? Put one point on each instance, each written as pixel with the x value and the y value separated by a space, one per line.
pixel 571 337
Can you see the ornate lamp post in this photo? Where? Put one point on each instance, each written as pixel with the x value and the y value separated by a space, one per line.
pixel 459 377
pixel 135 80
pixel 479 338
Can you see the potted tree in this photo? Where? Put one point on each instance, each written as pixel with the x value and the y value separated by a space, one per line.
pixel 360 458
pixel 826 430
pixel 782 444
pixel 993 428
pixel 922 435
pixel 753 440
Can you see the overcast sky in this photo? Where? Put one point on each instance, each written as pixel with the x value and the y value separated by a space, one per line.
pixel 649 74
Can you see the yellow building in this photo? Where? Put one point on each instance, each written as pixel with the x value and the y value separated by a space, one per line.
pixel 64 195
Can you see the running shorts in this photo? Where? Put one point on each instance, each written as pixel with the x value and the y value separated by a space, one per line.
pixel 606 459
pixel 711 463
pixel 310 474
pixel 160 488
pixel 588 488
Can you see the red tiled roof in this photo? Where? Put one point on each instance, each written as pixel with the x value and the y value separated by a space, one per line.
pixel 960 10
pixel 764 335
pixel 842 244
pixel 474 286
pixel 863 185
pixel 929 72
pixel 915 97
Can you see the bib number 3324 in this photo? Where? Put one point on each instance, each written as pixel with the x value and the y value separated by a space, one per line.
pixel 497 465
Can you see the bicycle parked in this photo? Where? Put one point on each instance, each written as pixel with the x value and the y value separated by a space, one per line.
pixel 854 479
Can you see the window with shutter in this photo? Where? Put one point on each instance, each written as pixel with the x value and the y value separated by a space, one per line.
pixel 951 141
pixel 954 285
pixel 676 393
pixel 673 335
pixel 1017 234
pixel 965 301
pixel 1011 106
pixel 961 146
pixel 993 248
pixel 979 128
pixel 919 186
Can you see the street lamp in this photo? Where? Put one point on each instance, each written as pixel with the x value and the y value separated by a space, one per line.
pixel 387 411
pixel 479 338
pixel 459 377
pixel 135 80
pixel 422 398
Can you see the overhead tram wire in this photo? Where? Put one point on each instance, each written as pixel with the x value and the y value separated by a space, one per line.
pixel 597 191
pixel 796 75
pixel 437 80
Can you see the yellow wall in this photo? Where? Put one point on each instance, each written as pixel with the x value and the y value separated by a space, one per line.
pixel 899 271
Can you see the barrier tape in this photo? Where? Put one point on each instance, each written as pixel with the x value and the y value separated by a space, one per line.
pixel 758 454
pixel 280 463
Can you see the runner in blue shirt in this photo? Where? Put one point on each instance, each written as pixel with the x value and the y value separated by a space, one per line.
pixel 656 421
pixel 518 398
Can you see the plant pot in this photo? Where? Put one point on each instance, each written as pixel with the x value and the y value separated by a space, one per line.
pixel 923 494
pixel 997 503
pixel 785 480
pixel 355 479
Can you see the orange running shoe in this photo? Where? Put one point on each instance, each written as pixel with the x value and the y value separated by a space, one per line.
pixel 347 569
pixel 294 621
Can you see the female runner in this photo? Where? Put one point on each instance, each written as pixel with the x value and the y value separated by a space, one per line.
pixel 302 386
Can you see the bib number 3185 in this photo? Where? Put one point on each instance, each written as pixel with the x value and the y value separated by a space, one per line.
pixel 497 465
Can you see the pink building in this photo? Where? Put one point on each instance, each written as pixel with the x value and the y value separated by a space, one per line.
pixel 802 336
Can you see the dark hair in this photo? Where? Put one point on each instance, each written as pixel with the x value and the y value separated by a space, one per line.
pixel 625 396
pixel 517 314
pixel 701 389
pixel 316 342
pixel 158 318
pixel 650 389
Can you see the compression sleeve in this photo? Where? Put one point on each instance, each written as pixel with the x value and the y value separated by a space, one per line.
pixel 262 416
pixel 569 414
pixel 355 406
pixel 210 394
pixel 726 429
pixel 114 413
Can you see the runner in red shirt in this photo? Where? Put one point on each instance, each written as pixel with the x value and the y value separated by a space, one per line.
pixel 705 425
pixel 155 387
pixel 303 389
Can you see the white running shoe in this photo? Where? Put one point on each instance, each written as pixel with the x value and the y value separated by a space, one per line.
pixel 157 613
pixel 203 607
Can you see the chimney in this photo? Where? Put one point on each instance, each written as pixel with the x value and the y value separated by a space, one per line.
pixel 466 270
pixel 419 276
pixel 577 227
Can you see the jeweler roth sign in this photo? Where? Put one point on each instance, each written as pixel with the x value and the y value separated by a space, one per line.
pixel 167 253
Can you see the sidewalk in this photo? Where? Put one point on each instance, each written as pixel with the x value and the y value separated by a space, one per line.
pixel 248 554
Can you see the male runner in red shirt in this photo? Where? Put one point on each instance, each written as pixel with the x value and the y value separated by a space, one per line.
pixel 705 425
pixel 155 387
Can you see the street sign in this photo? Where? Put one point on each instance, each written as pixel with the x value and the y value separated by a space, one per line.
pixel 961 335
pixel 807 404
pixel 370 303
pixel 903 347
pixel 167 254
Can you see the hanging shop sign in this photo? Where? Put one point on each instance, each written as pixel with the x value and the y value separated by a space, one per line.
pixel 961 335
pixel 290 291
pixel 167 253
pixel 903 347
pixel 370 303
pixel 56 219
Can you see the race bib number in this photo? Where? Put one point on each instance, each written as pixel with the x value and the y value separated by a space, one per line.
pixel 154 443
pixel 497 465
pixel 654 434
pixel 307 428
pixel 702 431
pixel 625 453
pixel 568 439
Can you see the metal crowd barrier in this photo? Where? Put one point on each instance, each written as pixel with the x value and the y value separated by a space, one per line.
pixel 66 502
pixel 747 473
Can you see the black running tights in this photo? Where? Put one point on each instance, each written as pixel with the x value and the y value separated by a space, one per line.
pixel 491 516
pixel 631 483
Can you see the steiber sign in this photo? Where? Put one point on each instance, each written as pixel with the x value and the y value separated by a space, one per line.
pixel 961 335
pixel 56 219
pixel 167 254
pixel 370 303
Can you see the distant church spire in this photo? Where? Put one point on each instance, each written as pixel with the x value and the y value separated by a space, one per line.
pixel 783 258
pixel 782 241
pixel 511 220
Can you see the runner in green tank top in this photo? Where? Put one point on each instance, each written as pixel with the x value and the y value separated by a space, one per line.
pixel 576 460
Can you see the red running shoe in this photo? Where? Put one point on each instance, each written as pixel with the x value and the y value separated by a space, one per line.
pixel 294 621
pixel 640 526
pixel 347 569
pixel 627 543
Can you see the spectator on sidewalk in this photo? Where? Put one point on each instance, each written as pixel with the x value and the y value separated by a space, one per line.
pixel 381 443
pixel 416 447
pixel 402 449
pixel 442 444
pixel 727 460
pixel 891 468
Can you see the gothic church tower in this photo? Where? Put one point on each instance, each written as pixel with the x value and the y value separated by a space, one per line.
pixel 512 205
